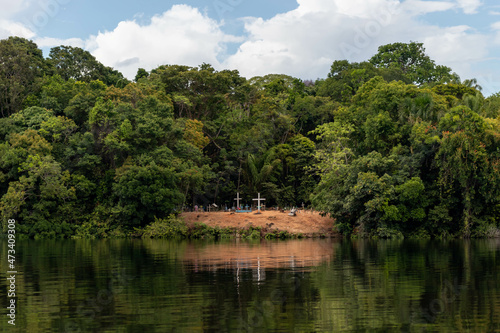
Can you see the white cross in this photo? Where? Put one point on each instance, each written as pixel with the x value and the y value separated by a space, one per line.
pixel 237 200
pixel 259 199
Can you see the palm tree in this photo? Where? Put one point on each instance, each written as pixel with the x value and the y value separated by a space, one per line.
pixel 472 83
pixel 474 102
pixel 259 170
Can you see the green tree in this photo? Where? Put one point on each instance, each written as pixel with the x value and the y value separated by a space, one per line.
pixel 467 170
pixel 345 79
pixel 141 73
pixel 413 62
pixel 260 169
pixel 32 117
pixel 41 199
pixel 75 63
pixel 56 93
pixel 21 67
pixel 491 106
pixel 85 98
pixel 198 93
pixel 143 192
pixel 293 179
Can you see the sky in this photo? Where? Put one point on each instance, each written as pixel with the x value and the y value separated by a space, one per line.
pixel 300 38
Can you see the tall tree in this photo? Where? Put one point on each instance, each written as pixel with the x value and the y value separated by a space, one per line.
pixel 21 66
pixel 75 63
pixel 467 170
pixel 412 60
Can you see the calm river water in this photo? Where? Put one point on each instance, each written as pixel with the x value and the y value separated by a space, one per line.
pixel 264 286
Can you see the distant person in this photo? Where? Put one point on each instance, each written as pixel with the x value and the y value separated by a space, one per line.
pixel 196 208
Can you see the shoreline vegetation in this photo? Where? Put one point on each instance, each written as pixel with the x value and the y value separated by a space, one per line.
pixel 395 146
pixel 168 229
pixel 176 228
pixel 226 225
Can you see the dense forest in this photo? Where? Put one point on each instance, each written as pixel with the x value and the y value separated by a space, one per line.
pixel 396 145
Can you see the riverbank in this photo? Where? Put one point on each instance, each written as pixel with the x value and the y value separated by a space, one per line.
pixel 304 224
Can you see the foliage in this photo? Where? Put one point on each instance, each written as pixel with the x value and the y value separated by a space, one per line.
pixel 75 63
pixel 411 59
pixel 21 67
pixel 407 164
pixel 281 235
pixel 393 146
pixel 170 227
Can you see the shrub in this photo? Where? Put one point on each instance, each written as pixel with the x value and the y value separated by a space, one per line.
pixel 387 233
pixel 254 235
pixel 170 227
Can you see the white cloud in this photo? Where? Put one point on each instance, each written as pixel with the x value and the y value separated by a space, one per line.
pixel 181 35
pixel 24 18
pixel 10 8
pixel 304 42
pixel 11 28
pixel 47 42
pixel 458 48
pixel 469 6
pixel 496 26
pixel 418 7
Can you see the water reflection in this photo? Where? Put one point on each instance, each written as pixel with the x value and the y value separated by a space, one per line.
pixel 234 286
pixel 258 256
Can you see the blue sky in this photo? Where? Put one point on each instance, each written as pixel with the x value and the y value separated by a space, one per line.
pixel 83 18
pixel 296 37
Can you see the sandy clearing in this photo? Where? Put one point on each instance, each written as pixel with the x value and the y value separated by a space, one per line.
pixel 305 222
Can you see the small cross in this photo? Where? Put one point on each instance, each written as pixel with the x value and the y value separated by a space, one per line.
pixel 259 199
pixel 237 200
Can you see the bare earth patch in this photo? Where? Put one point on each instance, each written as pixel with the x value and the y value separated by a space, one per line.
pixel 305 222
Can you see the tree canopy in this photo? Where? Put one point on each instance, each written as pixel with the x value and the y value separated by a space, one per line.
pixel 393 146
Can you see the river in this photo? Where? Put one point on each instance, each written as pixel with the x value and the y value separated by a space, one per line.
pixel 318 285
